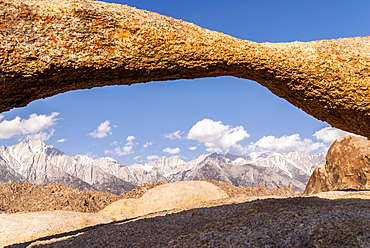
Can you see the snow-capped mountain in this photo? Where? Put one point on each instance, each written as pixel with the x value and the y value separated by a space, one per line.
pixel 34 161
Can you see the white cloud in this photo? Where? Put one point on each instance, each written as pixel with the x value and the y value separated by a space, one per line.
pixel 41 135
pixel 130 140
pixel 286 144
pixel 91 155
pixel 173 136
pixel 152 157
pixel 102 130
pixel 2 117
pixel 216 136
pixel 122 151
pixel 114 143
pixel 31 127
pixel 61 140
pixel 193 148
pixel 172 151
pixel 330 134
pixel 241 149
pixel 147 144
pixel 214 149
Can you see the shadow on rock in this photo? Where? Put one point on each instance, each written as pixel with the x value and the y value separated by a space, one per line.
pixel 289 222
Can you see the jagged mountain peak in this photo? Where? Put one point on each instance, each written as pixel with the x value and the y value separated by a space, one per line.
pixel 164 163
pixel 34 146
pixel 226 157
pixel 37 162
pixel 34 143
pixel 259 155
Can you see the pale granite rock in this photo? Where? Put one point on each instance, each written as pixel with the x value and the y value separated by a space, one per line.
pixel 22 227
pixel 344 195
pixel 121 209
pixel 177 195
pixel 290 222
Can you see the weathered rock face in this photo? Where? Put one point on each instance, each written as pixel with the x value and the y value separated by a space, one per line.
pixel 292 222
pixel 50 47
pixel 21 227
pixel 347 167
pixel 26 197
pixel 121 209
pixel 177 195
pixel 261 190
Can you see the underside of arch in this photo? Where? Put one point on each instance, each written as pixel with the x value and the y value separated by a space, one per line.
pixel 50 47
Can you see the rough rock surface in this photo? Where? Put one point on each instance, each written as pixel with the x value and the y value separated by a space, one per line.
pixel 26 197
pixel 347 167
pixel 365 195
pixel 239 221
pixel 176 195
pixel 262 190
pixel 50 47
pixel 22 227
pixel 291 222
pixel 127 208
pixel 178 198
pixel 141 190
pixel 121 209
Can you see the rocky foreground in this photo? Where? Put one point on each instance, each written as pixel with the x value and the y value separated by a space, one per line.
pixel 210 213
pixel 37 211
pixel 235 219
pixel 26 197
pixel 288 222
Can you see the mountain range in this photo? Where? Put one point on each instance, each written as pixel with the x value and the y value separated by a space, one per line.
pixel 35 162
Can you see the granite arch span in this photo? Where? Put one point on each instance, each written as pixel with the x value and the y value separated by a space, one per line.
pixel 50 47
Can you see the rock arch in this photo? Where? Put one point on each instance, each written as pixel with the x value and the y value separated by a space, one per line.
pixel 50 47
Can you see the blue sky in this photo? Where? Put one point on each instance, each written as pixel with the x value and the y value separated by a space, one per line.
pixel 192 117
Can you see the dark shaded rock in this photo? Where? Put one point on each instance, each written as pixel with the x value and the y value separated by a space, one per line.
pixel 292 222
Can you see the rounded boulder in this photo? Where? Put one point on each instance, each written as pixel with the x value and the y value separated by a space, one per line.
pixel 121 209
pixel 177 195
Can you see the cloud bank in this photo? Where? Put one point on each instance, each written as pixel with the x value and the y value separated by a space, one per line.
pixel 286 144
pixel 31 128
pixel 330 134
pixel 216 136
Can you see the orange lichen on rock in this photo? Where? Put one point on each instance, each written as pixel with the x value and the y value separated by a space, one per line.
pixel 50 47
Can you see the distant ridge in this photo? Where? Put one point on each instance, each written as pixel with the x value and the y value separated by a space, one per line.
pixel 35 162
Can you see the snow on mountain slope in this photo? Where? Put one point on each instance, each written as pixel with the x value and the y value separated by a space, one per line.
pixel 36 162
pixel 39 163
